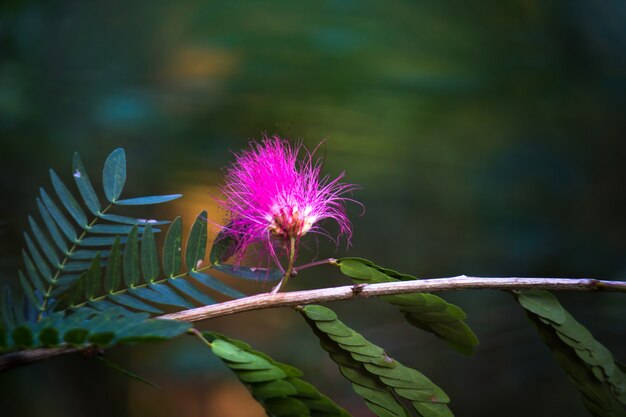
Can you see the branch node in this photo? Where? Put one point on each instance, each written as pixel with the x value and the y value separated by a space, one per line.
pixel 93 351
pixel 358 289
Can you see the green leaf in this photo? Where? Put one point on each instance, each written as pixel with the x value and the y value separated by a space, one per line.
pixel 216 284
pixel 131 265
pixel 232 353
pixel 41 265
pixel 543 304
pixel 273 389
pixel 89 254
pixel 92 279
pixel 319 313
pixel 76 266
pixel 377 378
pixel 101 338
pixel 86 326
pixel 432 409
pixel 75 293
pixel 132 302
pixel 113 229
pixel 58 217
pixel 169 296
pixel 589 365
pixel 276 386
pixel 188 289
pixel 114 174
pixel 44 244
pixel 149 256
pixel 131 220
pixel 84 185
pixel 172 248
pixel 34 276
pixel 160 293
pixel 75 337
pixel 425 311
pixel 250 273
pixel 155 199
pixel 223 247
pixel 22 337
pixel 49 337
pixel 68 200
pixel 99 241
pixel 52 227
pixel 28 291
pixel 287 407
pixel 153 330
pixel 196 242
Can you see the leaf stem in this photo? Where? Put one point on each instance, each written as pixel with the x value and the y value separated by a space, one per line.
pixel 125 290
pixel 316 263
pixel 348 292
pixel 55 278
pixel 198 334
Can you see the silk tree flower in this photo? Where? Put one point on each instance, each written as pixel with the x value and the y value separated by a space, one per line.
pixel 275 194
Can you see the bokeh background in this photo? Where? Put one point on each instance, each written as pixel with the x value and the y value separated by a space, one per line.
pixel 488 138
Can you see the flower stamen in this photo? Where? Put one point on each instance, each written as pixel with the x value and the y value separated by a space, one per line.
pixel 274 196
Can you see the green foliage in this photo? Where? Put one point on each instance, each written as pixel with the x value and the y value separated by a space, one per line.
pixel 224 248
pixel 425 311
pixel 589 365
pixel 63 266
pixel 379 379
pixel 140 272
pixel 276 386
pixel 56 254
pixel 86 327
pixel 86 272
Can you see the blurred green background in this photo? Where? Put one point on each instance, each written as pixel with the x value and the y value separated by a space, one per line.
pixel 488 137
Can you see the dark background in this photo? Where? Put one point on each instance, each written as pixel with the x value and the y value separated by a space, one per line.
pixel 488 138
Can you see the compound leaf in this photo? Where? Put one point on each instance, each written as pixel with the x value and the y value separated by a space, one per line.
pixel 272 383
pixel 379 379
pixel 425 311
pixel 114 174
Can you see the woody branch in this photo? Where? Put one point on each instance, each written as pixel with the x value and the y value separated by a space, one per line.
pixel 294 298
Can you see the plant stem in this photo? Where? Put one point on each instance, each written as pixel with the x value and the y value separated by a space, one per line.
pixel 55 278
pixel 289 270
pixel 316 263
pixel 289 299
pixel 125 290
pixel 348 292
pixel 198 334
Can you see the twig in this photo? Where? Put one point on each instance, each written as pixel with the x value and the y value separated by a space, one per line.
pixel 268 300
pixel 262 301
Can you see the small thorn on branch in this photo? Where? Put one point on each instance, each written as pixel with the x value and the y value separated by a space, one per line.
pixel 358 289
pixel 92 352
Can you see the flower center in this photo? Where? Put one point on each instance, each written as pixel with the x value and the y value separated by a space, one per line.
pixel 289 221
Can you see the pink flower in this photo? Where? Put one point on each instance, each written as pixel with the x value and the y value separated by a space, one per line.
pixel 276 198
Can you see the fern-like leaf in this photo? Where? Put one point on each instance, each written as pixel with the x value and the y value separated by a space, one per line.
pixel 276 386
pixel 380 380
pixel 589 365
pixel 67 241
pixel 223 249
pixel 84 328
pixel 425 311
pixel 138 268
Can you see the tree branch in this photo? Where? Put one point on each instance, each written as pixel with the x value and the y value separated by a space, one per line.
pixel 286 299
